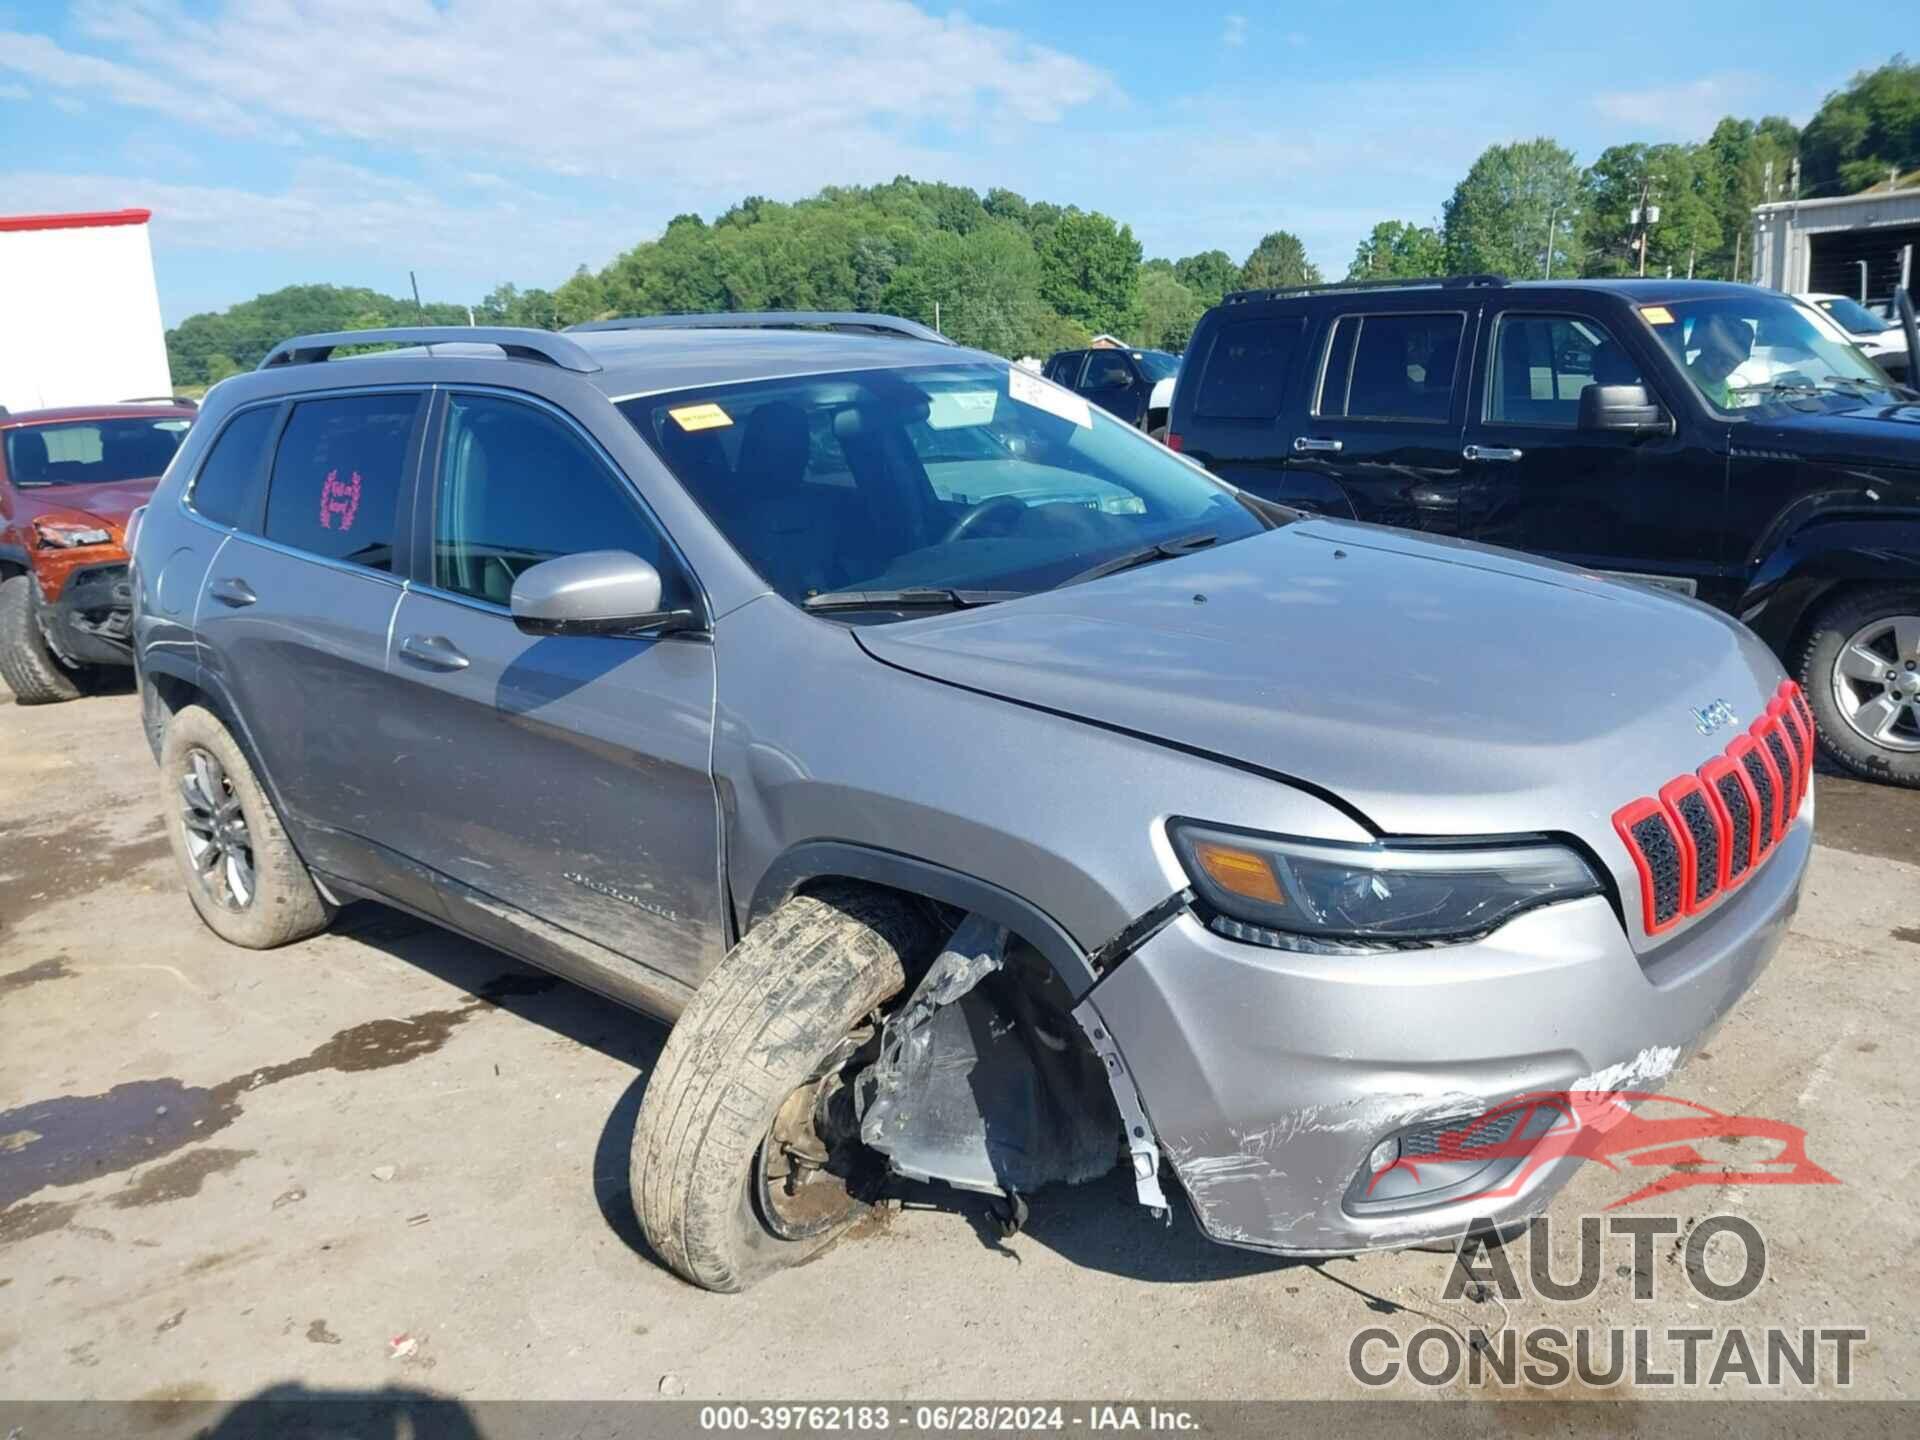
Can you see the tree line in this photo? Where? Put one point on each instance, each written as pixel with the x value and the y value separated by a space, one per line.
pixel 1017 276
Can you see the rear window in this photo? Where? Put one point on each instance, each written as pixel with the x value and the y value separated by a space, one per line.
pixel 234 475
pixel 1248 368
pixel 93 452
pixel 337 477
pixel 1392 367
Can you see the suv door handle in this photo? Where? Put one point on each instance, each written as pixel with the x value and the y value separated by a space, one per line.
pixel 433 652
pixel 233 591
pixel 1305 444
pixel 1490 452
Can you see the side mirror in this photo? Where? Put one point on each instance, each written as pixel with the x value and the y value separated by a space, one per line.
pixel 598 592
pixel 1622 408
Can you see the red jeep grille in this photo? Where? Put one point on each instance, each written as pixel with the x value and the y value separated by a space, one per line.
pixel 1707 832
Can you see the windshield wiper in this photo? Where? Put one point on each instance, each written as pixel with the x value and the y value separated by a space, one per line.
pixel 919 597
pixel 1145 555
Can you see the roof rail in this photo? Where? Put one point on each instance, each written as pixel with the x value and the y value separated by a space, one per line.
pixel 1430 282
pixel 855 322
pixel 185 400
pixel 515 343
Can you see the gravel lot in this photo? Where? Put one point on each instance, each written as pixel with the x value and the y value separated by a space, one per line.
pixel 388 1157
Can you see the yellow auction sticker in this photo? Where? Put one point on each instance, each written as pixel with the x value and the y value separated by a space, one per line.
pixel 1657 314
pixel 700 417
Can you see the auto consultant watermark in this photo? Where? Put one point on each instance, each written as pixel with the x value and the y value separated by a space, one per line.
pixel 1723 1259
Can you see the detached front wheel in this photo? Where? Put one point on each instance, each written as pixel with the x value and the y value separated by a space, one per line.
pixel 1861 674
pixel 745 1156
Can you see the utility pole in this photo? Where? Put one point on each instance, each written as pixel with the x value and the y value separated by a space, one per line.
pixel 1793 172
pixel 1552 215
pixel 411 280
pixel 936 319
pixel 1645 214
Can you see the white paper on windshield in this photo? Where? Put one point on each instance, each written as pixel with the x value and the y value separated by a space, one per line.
pixel 959 409
pixel 1045 395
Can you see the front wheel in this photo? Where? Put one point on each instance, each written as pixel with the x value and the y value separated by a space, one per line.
pixel 32 671
pixel 1861 674
pixel 743 1151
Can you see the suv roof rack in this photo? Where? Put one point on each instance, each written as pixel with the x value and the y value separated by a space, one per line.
pixel 856 322
pixel 514 342
pixel 185 400
pixel 1431 282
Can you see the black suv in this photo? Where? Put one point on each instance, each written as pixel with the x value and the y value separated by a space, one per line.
pixel 1136 385
pixel 1704 437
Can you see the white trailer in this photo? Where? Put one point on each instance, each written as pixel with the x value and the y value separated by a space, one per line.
pixel 79 311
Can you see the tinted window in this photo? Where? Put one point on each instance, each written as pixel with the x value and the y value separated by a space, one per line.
pixel 1063 368
pixel 337 477
pixel 1541 363
pixel 93 452
pixel 1403 368
pixel 1248 368
pixel 517 487
pixel 1107 369
pixel 234 473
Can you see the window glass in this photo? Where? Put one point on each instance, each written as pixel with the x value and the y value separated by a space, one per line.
pixel 1855 316
pixel 1541 363
pixel 517 487
pixel 93 452
pixel 1157 365
pixel 232 477
pixel 1063 369
pixel 1106 369
pixel 337 477
pixel 1756 348
pixel 1247 369
pixel 1403 368
pixel 964 475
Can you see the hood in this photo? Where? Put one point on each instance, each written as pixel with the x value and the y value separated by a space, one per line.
pixel 1438 688
pixel 1888 436
pixel 113 503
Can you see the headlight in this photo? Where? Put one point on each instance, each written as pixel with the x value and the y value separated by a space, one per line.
pixel 62 536
pixel 1329 898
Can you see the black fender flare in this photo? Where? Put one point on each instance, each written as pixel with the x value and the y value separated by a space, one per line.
pixel 841 859
pixel 1797 574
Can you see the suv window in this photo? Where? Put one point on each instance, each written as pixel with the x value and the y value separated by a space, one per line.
pixel 337 477
pixel 1541 363
pixel 233 476
pixel 1107 369
pixel 1064 368
pixel 1248 368
pixel 517 487
pixel 1392 367
pixel 92 452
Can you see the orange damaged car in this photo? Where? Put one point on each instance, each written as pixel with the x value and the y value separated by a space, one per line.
pixel 69 482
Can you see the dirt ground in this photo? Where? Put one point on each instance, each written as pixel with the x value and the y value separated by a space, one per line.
pixel 389 1157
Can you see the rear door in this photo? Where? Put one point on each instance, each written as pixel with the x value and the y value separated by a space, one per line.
pixel 1389 403
pixel 563 777
pixel 1244 374
pixel 1638 505
pixel 295 611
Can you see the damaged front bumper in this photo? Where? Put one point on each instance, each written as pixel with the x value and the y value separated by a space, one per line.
pixel 1270 1077
pixel 90 621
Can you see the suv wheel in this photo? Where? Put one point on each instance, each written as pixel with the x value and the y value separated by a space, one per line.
pixel 745 1155
pixel 32 671
pixel 242 873
pixel 1861 673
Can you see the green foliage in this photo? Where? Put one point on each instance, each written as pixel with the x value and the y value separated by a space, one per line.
pixel 986 282
pixel 1496 220
pixel 1690 191
pixel 1278 261
pixel 1168 309
pixel 209 347
pixel 1090 270
pixel 1864 131
pixel 1396 250
pixel 1209 275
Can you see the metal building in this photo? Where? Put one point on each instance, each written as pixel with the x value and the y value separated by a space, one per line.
pixel 1837 245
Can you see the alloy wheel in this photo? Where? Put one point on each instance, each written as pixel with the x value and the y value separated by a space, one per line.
pixel 219 847
pixel 1876 682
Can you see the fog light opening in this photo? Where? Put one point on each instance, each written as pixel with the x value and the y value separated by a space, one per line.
pixel 1384 1154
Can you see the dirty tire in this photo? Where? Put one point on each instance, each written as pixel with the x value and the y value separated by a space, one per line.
pixel 286 906
pixel 757 1027
pixel 1831 629
pixel 31 670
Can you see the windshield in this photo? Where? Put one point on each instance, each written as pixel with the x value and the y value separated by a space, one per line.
pixel 1856 317
pixel 1749 348
pixel 965 477
pixel 1157 365
pixel 92 452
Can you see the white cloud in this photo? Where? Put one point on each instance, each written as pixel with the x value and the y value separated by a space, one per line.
pixel 1678 112
pixel 9 91
pixel 1234 34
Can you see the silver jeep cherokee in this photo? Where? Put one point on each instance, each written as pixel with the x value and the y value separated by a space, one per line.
pixel 986 793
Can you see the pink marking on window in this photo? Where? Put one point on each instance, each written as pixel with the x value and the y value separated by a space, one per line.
pixel 339 497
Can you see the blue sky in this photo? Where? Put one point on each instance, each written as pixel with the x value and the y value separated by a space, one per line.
pixel 477 141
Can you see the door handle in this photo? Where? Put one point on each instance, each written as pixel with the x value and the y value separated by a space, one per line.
pixel 433 652
pixel 1490 452
pixel 233 591
pixel 1307 444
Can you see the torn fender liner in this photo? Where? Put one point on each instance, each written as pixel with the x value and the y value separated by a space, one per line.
pixel 980 1086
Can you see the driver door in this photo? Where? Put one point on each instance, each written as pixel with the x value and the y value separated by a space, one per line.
pixel 562 780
